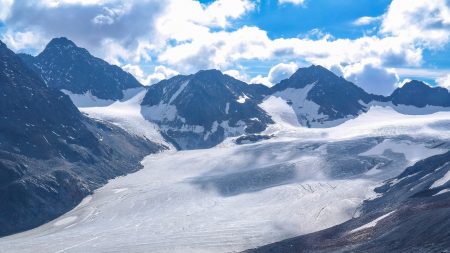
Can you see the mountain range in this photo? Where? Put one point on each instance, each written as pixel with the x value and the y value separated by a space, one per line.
pixel 53 154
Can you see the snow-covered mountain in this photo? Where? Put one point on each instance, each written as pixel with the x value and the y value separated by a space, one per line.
pixel 319 98
pixel 314 158
pixel 200 110
pixel 51 156
pixel 65 66
pixel 315 97
pixel 419 94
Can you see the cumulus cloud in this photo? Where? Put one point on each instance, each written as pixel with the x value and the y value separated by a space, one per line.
pixel 6 8
pixel 260 79
pixel 418 21
pixel 159 73
pixel 372 78
pixel 222 49
pixel 281 71
pixel 20 40
pixel 362 21
pixel 239 75
pixel 205 49
pixel 444 81
pixel 186 36
pixel 276 74
pixel 91 26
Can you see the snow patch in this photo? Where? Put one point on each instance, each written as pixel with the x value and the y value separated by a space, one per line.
pixel 371 224
pixel 127 115
pixel 441 181
pixel 242 99
pixel 180 89
pixel 87 99
pixel 280 111
pixel 306 111
pixel 160 112
pixel 442 192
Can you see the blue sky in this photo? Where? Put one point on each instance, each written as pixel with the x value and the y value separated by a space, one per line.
pixel 334 17
pixel 375 43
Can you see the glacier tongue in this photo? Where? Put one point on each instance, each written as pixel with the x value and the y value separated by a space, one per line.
pixel 234 197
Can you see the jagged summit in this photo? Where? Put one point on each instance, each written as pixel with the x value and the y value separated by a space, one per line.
pixel 200 110
pixel 61 42
pixel 319 97
pixel 65 66
pixel 305 76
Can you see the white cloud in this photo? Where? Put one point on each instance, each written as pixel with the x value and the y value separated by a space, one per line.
pixel 372 78
pixel 5 8
pixel 259 79
pixel 362 21
pixel 99 26
pixel 276 74
pixel 159 73
pixel 186 36
pixel 419 21
pixel 444 81
pixel 223 49
pixel 295 2
pixel 281 71
pixel 20 40
pixel 237 75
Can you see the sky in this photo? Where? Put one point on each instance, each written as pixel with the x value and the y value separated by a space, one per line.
pixel 377 44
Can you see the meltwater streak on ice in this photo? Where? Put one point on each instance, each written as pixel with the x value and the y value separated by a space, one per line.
pixel 231 198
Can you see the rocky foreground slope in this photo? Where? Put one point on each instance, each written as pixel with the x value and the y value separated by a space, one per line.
pixel 51 156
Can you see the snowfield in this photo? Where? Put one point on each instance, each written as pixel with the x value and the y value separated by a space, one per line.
pixel 125 113
pixel 234 197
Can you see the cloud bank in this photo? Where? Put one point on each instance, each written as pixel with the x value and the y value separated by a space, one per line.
pixel 184 36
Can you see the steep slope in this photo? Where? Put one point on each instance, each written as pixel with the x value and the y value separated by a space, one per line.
pixel 319 98
pixel 200 110
pixel 419 94
pixel 65 66
pixel 50 155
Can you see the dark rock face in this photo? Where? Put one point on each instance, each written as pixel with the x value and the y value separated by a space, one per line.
pixel 200 110
pixel 415 217
pixel 419 94
pixel 37 121
pixel 50 155
pixel 336 97
pixel 64 65
pixel 251 138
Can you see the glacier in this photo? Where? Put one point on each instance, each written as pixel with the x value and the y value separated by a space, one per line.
pixel 234 197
